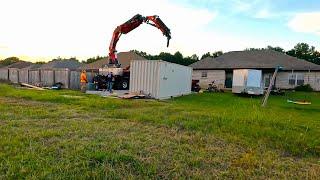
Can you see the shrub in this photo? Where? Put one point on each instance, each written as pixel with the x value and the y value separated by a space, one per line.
pixel 305 88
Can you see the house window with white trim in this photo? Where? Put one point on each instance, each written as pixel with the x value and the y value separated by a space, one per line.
pixel 292 79
pixel 296 79
pixel 300 79
pixel 204 74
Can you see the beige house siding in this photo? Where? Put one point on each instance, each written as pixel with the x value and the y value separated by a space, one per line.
pixel 312 78
pixel 218 76
pixel 282 80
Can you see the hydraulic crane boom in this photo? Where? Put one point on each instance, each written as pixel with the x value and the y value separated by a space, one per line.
pixel 130 25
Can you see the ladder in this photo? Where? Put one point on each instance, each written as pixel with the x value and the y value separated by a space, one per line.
pixel 266 96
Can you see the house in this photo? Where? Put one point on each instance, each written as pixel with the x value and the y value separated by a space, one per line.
pixel 295 71
pixel 62 64
pixel 13 70
pixel 124 58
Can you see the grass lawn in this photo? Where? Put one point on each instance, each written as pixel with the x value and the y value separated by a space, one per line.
pixel 66 134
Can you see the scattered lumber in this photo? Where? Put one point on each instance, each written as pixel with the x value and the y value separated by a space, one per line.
pixel 133 96
pixel 31 86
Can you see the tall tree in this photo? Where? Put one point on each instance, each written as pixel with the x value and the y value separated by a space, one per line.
pixel 277 48
pixel 93 59
pixel 194 57
pixel 10 60
pixel 217 54
pixel 205 55
pixel 306 52
pixel 212 55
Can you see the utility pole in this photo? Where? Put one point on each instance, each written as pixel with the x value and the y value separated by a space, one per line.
pixel 266 96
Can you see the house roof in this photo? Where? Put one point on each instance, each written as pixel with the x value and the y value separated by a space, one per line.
pixel 124 59
pixel 33 66
pixel 61 64
pixel 256 59
pixel 20 65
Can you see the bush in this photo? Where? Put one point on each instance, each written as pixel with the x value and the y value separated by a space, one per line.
pixel 305 88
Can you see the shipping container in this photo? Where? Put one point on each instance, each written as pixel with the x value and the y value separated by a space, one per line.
pixel 160 79
pixel 247 81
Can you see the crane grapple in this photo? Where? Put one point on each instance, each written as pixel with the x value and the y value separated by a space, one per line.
pixel 130 25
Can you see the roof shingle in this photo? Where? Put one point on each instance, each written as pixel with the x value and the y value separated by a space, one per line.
pixel 124 59
pixel 256 59
pixel 61 64
pixel 20 65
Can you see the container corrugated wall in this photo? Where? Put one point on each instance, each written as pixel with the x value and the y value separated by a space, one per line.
pixel 144 76
pixel 160 79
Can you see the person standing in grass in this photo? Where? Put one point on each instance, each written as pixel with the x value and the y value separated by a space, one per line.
pixel 83 81
pixel 109 81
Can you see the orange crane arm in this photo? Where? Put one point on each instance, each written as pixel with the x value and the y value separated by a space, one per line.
pixel 130 25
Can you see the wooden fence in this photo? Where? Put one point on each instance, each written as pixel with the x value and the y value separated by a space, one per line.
pixel 45 77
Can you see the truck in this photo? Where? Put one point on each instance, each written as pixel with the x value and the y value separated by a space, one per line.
pixel 122 74
pixel 247 81
pixel 121 77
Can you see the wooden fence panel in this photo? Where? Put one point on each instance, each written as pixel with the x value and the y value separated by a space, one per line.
pixel 47 77
pixel 4 74
pixel 34 77
pixel 62 76
pixel 74 80
pixel 23 75
pixel 14 75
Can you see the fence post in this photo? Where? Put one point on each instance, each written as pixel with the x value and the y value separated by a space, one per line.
pixel 39 74
pixel 68 70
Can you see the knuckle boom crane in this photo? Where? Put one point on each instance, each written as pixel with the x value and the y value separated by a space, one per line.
pixel 121 75
pixel 130 25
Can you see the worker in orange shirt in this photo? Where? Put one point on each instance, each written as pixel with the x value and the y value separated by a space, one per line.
pixel 83 81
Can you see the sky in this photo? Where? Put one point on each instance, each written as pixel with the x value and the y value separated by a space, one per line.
pixel 39 30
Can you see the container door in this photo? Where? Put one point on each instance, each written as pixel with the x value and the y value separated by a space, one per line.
pixel 254 78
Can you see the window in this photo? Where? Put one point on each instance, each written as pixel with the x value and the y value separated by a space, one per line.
pixel 204 74
pixel 296 79
pixel 292 79
pixel 300 79
pixel 267 80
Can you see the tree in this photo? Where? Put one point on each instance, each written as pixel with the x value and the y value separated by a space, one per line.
pixel 254 49
pixel 40 62
pixel 93 59
pixel 306 52
pixel 217 54
pixel 279 49
pixel 194 57
pixel 10 60
pixel 212 55
pixel 206 55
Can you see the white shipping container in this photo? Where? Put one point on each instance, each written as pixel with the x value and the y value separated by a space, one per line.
pixel 160 79
pixel 247 81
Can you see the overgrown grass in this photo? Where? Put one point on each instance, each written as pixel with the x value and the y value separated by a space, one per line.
pixel 66 134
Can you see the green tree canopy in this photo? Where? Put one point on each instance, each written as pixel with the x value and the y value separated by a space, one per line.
pixel 93 59
pixel 8 61
pixel 306 52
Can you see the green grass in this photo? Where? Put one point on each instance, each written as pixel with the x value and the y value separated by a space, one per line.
pixel 66 134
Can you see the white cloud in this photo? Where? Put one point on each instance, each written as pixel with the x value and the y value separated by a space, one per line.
pixel 306 22
pixel 263 14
